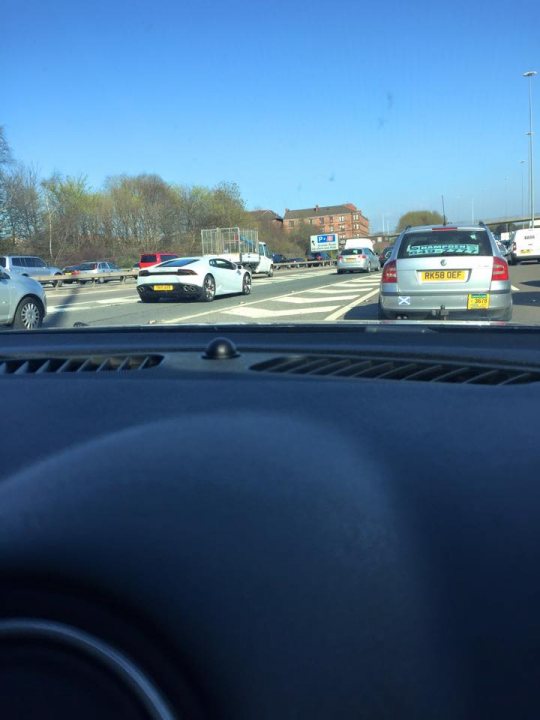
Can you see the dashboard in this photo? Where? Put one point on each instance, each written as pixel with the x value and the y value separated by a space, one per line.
pixel 270 522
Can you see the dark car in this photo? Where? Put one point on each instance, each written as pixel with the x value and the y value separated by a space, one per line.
pixel 295 261
pixel 319 258
pixel 279 260
pixel 385 254
pixel 73 270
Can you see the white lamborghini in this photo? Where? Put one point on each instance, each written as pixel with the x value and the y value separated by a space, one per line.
pixel 193 277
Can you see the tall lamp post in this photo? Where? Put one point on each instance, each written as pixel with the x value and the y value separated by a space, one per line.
pixel 522 163
pixel 530 74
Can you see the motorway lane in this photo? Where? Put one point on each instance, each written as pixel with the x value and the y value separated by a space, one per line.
pixel 293 296
pixel 314 295
pixel 526 293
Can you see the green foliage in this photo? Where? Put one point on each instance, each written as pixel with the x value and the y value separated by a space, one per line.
pixel 301 235
pixel 419 217
pixel 63 217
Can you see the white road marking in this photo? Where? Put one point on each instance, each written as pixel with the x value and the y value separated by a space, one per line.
pixel 118 300
pixel 339 313
pixel 338 288
pixel 276 280
pixel 300 300
pixel 515 289
pixel 203 313
pixel 254 313
pixel 91 304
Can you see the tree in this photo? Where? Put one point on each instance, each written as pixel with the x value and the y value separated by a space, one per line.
pixel 419 217
pixel 144 211
pixel 5 161
pixel 67 200
pixel 300 236
pixel 21 211
pixel 5 151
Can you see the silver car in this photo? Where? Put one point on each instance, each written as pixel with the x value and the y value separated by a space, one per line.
pixel 97 271
pixel 357 260
pixel 29 265
pixel 23 304
pixel 446 271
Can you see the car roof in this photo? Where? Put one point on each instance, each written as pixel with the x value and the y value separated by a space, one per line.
pixel 448 226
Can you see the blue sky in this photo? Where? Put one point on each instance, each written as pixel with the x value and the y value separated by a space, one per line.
pixel 387 105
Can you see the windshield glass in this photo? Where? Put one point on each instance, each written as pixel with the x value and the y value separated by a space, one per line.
pixel 277 138
pixel 178 262
pixel 439 244
pixel 88 266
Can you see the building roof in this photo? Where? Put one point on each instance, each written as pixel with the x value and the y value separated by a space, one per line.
pixel 319 211
pixel 264 214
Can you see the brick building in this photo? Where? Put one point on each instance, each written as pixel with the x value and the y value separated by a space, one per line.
pixel 346 220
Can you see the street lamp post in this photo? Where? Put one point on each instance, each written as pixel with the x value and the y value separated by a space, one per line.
pixel 522 163
pixel 530 74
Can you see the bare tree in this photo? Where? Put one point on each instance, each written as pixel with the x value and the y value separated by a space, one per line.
pixel 22 207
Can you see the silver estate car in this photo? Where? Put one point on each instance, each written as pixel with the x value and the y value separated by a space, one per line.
pixel 29 265
pixel 23 303
pixel 445 271
pixel 357 260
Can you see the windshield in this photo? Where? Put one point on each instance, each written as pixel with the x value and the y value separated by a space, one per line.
pixel 273 138
pixel 440 244
pixel 178 262
pixel 88 266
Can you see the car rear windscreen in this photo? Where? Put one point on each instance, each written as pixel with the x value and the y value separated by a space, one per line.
pixel 178 262
pixel 353 251
pixel 88 266
pixel 445 243
pixel 148 258
pixel 168 257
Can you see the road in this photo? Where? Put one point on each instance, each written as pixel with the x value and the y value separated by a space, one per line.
pixel 313 295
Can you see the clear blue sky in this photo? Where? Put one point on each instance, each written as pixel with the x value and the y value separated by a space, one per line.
pixel 384 104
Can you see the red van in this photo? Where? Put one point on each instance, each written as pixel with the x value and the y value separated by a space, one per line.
pixel 149 259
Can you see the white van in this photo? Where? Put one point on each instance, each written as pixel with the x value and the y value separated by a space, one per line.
pixel 525 245
pixel 354 243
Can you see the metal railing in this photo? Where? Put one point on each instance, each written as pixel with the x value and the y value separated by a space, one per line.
pixel 124 275
pixel 305 264
pixel 95 278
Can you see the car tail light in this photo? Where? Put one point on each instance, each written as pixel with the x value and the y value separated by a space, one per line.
pixel 514 247
pixel 446 228
pixel 186 272
pixel 340 258
pixel 500 269
pixel 144 273
pixel 390 272
pixel 363 257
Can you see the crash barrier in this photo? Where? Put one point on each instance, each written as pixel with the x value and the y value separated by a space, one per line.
pixel 96 278
pixel 125 275
pixel 307 263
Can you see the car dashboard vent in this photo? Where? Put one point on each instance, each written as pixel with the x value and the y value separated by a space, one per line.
pixel 89 364
pixel 389 368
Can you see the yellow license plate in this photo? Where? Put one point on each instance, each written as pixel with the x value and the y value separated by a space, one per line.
pixel 478 301
pixel 158 288
pixel 350 259
pixel 443 276
pixel 524 252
